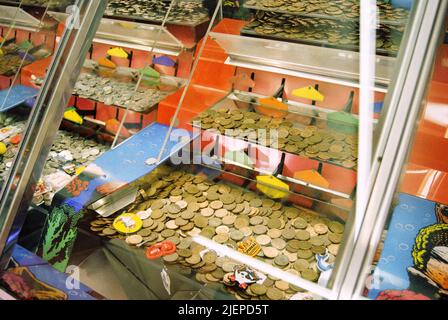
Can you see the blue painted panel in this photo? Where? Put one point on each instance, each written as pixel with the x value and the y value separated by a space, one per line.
pixel 410 216
pixel 19 94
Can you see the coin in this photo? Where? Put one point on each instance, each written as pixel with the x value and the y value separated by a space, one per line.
pixel 335 237
pixel 258 289
pixel 215 205
pixel 171 258
pixel 274 224
pixel 282 285
pixel 301 265
pixel 281 260
pixel 228 220
pixel 274 294
pixel 278 243
pixel 185 253
pixel 171 225
pixel 320 228
pixel 260 229
pixel 302 235
pixel 193 259
pixel 210 257
pixel 263 240
pixel 304 254
pixel 270 252
pixel 221 238
pixel 222 230
pixel 336 227
pixel 207 212
pixel 310 275
pixel 274 233
pixel 236 235
pixel 134 239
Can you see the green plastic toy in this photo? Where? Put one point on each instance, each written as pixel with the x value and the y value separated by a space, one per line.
pixel 344 121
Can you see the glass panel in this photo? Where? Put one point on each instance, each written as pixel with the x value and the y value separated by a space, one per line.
pixel 412 258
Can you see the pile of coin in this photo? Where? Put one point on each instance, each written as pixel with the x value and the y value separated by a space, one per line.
pixel 178 205
pixel 72 149
pixel 118 93
pixel 326 32
pixel 345 9
pixel 182 12
pixel 15 125
pixel 52 4
pixel 310 141
pixel 69 151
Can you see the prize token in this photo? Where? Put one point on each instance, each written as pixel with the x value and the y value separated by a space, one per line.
pixel 128 223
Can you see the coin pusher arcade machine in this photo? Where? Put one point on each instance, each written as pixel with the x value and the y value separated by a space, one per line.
pixel 309 89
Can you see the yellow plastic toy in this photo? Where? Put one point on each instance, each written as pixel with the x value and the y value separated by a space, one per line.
pixel 72 115
pixel 308 93
pixel 118 53
pixel 2 148
pixel 107 63
pixel 128 223
pixel 272 187
pixel 313 177
pixel 272 107
pixel 79 170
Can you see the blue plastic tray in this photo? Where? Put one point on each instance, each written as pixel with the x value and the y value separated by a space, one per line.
pixel 19 94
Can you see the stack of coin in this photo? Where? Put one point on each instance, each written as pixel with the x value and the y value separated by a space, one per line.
pixel 178 205
pixel 117 93
pixel 345 9
pixel 182 12
pixel 311 141
pixel 327 32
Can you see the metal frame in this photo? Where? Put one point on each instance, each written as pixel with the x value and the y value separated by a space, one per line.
pixel 43 124
pixel 405 104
